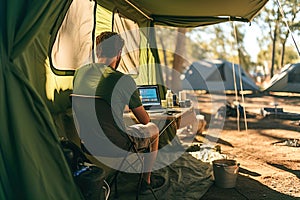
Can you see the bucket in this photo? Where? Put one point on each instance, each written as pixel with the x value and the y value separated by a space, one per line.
pixel 225 172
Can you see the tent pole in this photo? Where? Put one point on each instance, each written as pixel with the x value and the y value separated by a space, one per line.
pixel 241 82
pixel 139 10
pixel 235 90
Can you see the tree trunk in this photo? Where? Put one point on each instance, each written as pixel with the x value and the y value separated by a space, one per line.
pixel 241 56
pixel 273 52
pixel 282 54
pixel 284 45
pixel 178 59
pixel 274 43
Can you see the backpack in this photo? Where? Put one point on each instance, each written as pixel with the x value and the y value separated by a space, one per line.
pixel 88 177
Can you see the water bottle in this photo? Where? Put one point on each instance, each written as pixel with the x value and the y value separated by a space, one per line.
pixel 169 98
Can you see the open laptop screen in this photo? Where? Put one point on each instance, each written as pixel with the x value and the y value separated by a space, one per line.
pixel 149 95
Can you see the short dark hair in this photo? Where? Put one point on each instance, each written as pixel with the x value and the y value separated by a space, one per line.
pixel 108 44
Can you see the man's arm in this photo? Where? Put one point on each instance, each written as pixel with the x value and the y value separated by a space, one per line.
pixel 141 115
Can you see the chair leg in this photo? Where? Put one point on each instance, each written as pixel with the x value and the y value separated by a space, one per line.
pixel 114 182
pixel 116 185
pixel 139 186
pixel 141 159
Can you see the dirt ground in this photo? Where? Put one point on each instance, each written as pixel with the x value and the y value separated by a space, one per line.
pixel 266 146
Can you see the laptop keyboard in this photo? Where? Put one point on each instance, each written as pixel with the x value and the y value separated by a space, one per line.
pixel 164 111
pixel 161 110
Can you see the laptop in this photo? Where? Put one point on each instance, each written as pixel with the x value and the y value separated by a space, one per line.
pixel 150 98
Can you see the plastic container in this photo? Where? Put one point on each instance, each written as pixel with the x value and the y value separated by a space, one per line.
pixel 225 172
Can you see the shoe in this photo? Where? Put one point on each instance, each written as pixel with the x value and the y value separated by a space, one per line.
pixel 157 182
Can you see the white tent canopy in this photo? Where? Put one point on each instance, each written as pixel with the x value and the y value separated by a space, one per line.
pixel 288 80
pixel 216 75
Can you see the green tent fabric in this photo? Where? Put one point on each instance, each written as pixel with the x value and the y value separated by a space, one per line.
pixel 32 162
pixel 68 53
pixel 139 59
pixel 189 13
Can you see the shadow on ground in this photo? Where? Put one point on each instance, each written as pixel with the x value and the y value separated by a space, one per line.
pixel 246 188
pixel 285 168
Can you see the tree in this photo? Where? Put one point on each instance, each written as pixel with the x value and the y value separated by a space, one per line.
pixel 291 12
pixel 272 20
pixel 243 56
pixel 165 44
pixel 199 43
pixel 215 41
pixel 178 61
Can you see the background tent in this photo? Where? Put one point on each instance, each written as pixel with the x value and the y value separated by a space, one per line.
pixel 288 80
pixel 34 99
pixel 216 75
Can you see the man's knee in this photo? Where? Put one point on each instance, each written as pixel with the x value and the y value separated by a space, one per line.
pixel 153 129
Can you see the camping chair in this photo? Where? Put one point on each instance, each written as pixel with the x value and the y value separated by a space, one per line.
pixel 95 122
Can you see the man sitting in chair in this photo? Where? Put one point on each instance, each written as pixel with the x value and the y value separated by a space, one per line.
pixel 119 90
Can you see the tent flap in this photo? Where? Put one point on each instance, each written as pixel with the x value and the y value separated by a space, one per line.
pixel 32 163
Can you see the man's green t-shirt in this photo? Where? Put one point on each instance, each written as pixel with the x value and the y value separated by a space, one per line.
pixel 116 88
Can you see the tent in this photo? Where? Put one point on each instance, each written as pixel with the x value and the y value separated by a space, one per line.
pixel 288 80
pixel 217 75
pixel 34 99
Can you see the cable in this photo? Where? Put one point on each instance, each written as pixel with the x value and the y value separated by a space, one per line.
pixel 107 189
